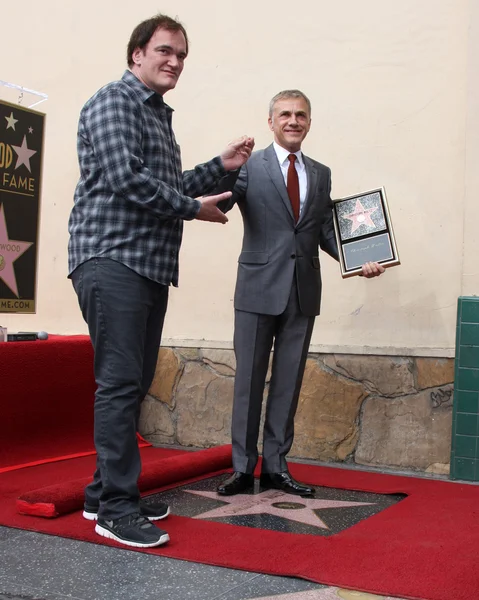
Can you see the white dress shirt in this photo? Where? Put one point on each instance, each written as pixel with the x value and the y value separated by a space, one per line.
pixel 283 160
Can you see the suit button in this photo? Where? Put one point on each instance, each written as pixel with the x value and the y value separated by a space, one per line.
pixel 295 232
pixel 293 255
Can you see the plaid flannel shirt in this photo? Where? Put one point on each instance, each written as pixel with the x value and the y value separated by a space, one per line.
pixel 132 197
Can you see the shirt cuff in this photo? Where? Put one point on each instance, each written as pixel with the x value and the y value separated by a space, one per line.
pixel 191 208
pixel 217 167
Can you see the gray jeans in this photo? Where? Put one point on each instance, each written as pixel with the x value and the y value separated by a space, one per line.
pixel 125 314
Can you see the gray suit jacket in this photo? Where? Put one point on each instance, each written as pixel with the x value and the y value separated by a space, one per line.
pixel 274 246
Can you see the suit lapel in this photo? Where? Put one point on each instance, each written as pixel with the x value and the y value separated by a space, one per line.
pixel 273 169
pixel 313 179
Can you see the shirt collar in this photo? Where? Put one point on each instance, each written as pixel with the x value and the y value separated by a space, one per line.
pixel 283 154
pixel 143 91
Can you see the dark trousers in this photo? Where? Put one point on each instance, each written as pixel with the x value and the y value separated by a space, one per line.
pixel 253 340
pixel 125 314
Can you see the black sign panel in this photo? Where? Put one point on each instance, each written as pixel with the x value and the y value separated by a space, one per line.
pixel 21 150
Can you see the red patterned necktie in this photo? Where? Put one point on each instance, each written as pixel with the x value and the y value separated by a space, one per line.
pixel 293 186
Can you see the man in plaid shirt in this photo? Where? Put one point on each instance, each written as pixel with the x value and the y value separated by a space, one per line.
pixel 125 234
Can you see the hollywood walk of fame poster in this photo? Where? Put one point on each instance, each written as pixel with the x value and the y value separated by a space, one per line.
pixel 364 232
pixel 21 152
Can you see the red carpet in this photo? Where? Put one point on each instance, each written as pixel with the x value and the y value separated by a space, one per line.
pixel 424 547
pixel 67 496
pixel 46 399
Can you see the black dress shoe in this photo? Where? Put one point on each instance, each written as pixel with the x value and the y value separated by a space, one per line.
pixel 284 481
pixel 238 482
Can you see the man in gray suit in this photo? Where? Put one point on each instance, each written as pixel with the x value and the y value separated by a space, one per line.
pixel 284 199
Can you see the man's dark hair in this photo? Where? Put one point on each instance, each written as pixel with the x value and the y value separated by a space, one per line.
pixel 143 33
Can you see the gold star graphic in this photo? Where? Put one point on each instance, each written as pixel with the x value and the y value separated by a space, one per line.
pixel 11 121
pixel 10 250
pixel 24 154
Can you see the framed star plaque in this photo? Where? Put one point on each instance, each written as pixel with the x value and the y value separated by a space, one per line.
pixel 364 231
pixel 21 150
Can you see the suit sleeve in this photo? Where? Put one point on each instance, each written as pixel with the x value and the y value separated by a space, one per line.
pixel 239 191
pixel 327 238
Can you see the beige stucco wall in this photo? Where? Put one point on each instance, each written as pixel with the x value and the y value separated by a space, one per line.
pixel 470 282
pixel 392 84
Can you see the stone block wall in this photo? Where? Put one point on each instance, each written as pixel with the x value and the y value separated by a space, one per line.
pixel 370 410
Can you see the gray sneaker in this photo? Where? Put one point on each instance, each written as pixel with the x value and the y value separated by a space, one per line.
pixel 132 530
pixel 153 512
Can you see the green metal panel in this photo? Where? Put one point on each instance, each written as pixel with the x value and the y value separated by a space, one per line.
pixel 465 420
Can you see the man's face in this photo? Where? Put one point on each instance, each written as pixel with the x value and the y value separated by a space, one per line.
pixel 160 63
pixel 290 122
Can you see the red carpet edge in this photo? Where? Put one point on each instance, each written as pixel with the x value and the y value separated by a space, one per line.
pixel 65 497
